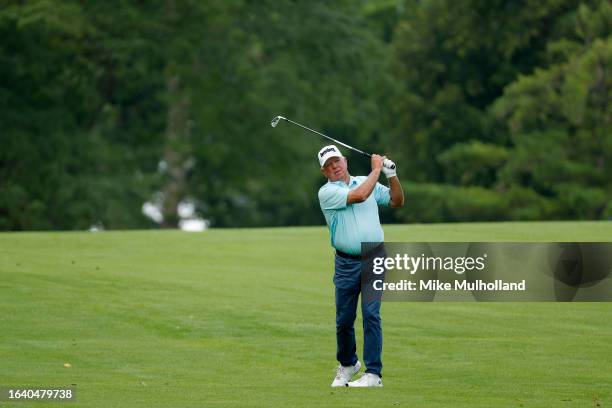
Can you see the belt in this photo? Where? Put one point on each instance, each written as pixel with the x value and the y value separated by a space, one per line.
pixel 359 257
pixel 348 256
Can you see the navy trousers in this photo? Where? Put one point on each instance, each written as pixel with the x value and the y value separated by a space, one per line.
pixel 347 279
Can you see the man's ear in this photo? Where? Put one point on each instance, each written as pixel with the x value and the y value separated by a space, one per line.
pixel 323 172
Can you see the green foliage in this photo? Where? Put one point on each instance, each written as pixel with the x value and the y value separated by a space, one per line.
pixel 428 202
pixel 425 202
pixel 476 203
pixel 578 202
pixel 452 61
pixel 523 111
pixel 71 142
pixel 472 163
pixel 560 122
pixel 525 204
pixel 607 213
pixel 492 111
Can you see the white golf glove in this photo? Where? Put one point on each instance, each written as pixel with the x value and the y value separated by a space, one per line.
pixel 389 168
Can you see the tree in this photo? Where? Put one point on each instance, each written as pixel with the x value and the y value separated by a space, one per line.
pixel 560 120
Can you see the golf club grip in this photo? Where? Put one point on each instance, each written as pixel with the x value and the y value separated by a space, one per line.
pixel 385 162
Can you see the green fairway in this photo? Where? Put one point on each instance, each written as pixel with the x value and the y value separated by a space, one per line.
pixel 245 317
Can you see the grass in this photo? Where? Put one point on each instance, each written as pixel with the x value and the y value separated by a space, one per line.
pixel 246 318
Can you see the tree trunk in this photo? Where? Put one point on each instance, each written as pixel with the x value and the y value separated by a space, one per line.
pixel 177 132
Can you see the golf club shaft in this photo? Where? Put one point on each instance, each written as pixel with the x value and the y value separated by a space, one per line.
pixel 387 163
pixel 330 138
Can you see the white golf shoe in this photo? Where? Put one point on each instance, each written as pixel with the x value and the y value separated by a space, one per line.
pixel 366 380
pixel 344 374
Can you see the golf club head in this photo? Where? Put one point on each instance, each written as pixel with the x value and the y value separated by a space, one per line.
pixel 276 120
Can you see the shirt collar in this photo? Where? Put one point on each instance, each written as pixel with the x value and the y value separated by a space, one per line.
pixel 352 181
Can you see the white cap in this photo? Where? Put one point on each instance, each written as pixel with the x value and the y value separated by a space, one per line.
pixel 327 152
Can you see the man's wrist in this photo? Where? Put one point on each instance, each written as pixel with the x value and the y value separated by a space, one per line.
pixel 390 173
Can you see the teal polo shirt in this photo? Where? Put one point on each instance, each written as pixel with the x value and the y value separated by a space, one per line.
pixel 350 225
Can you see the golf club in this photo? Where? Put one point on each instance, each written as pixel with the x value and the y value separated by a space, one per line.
pixel 277 119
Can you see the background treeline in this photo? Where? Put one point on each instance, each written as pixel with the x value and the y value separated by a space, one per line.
pixel 493 110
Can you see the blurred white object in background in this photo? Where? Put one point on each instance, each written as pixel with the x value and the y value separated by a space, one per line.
pixel 193 224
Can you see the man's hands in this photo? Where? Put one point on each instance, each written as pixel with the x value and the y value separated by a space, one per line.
pixel 361 193
pixel 377 162
pixel 389 168
pixel 384 164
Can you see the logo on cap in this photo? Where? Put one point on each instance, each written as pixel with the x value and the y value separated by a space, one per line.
pixel 329 149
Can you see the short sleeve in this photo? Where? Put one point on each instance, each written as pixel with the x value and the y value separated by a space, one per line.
pixel 381 194
pixel 333 197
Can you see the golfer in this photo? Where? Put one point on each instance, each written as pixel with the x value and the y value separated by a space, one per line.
pixel 350 206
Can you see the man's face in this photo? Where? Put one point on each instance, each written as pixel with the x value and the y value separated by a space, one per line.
pixel 335 168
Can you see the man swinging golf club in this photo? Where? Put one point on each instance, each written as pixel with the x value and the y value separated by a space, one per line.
pixel 350 206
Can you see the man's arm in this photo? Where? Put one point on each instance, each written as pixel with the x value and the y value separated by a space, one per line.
pixel 395 187
pixel 396 192
pixel 361 193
